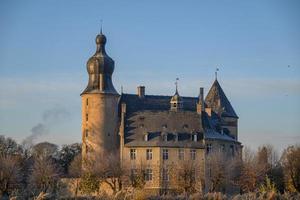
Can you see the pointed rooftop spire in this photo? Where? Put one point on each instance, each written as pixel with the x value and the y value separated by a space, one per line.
pixel 176 101
pixel 176 84
pixel 217 100
pixel 101 26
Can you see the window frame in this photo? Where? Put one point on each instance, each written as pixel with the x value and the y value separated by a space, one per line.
pixel 193 154
pixel 148 174
pixel 133 153
pixel 208 148
pixel 180 154
pixel 149 154
pixel 165 175
pixel 165 154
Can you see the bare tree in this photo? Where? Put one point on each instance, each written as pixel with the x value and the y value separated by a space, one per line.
pixel 44 172
pixel 247 180
pixel 291 163
pixel 66 155
pixel 44 176
pixel 75 171
pixel 136 175
pixel 216 169
pixel 186 176
pixel 9 146
pixel 110 172
pixel 256 167
pixel 10 176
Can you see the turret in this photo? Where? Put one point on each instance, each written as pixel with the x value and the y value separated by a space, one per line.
pixel 218 104
pixel 176 102
pixel 99 107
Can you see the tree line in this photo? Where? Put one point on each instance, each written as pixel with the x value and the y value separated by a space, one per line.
pixel 28 171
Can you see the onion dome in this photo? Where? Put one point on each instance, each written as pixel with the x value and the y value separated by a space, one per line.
pixel 100 68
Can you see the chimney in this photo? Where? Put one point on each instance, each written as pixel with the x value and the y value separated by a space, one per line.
pixel 202 98
pixel 200 104
pixel 141 91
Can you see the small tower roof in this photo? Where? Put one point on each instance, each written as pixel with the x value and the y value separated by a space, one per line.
pixel 217 100
pixel 176 101
pixel 100 63
pixel 176 97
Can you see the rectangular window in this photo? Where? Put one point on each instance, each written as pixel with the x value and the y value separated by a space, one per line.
pixel 87 101
pixel 193 154
pixel 148 174
pixel 86 117
pixel 222 148
pixel 165 154
pixel 208 148
pixel 86 149
pixel 132 154
pixel 149 154
pixel 181 154
pixel 165 174
pixel 86 133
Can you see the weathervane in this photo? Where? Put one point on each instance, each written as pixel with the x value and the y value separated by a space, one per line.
pixel 101 23
pixel 176 84
pixel 216 73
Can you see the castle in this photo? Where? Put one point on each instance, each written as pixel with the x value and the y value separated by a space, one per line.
pixel 154 132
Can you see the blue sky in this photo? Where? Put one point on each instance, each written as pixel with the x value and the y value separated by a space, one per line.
pixel 44 46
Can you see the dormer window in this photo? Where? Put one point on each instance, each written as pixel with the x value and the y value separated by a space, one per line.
pixel 176 137
pixel 194 137
pixel 146 137
pixel 141 118
pixel 164 136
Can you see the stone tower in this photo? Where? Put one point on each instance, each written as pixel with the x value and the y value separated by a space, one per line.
pixel 99 107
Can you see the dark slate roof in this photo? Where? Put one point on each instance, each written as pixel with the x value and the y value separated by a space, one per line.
pixel 156 123
pixel 212 134
pixel 155 103
pixel 217 100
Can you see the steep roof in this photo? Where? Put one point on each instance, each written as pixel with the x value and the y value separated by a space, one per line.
pixel 157 123
pixel 154 103
pixel 217 100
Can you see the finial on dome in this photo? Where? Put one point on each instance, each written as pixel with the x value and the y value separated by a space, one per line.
pixel 101 26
